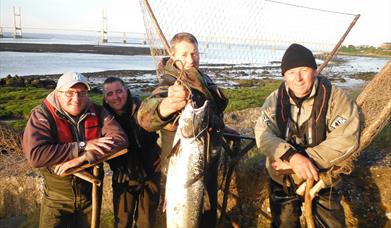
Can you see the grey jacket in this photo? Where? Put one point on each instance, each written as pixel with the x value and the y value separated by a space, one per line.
pixel 342 136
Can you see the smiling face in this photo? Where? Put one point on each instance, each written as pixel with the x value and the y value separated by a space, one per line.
pixel 187 53
pixel 300 80
pixel 115 95
pixel 74 100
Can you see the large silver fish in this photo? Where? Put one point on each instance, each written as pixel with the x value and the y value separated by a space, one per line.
pixel 185 181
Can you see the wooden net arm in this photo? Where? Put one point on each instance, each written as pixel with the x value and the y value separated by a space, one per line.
pixel 100 160
pixel 95 179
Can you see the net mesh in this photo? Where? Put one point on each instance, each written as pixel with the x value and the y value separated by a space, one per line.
pixel 375 110
pixel 244 34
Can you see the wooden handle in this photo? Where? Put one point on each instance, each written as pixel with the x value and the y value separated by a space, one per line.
pixel 100 160
pixel 88 177
pixel 96 199
pixel 309 218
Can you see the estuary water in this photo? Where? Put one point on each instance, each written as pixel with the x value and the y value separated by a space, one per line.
pixel 29 63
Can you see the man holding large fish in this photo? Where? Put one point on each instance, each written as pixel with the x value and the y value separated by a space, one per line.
pixel 198 137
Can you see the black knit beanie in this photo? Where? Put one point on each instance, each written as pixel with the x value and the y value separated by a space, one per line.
pixel 297 56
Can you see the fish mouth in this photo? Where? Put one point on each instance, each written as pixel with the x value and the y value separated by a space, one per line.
pixel 197 109
pixel 194 120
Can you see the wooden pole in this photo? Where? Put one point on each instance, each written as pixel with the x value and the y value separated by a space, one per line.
pixel 100 160
pixel 96 198
pixel 96 179
pixel 158 29
pixel 309 218
pixel 88 177
pixel 334 51
pixel 310 183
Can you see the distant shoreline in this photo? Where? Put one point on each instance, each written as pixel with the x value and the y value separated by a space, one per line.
pixel 120 50
pixel 98 74
pixel 75 48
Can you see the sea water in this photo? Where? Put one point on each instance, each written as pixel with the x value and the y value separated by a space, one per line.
pixel 216 55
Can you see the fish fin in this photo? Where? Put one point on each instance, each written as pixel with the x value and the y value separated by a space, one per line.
pixel 193 180
pixel 174 149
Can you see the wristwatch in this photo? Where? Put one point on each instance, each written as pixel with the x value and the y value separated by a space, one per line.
pixel 82 146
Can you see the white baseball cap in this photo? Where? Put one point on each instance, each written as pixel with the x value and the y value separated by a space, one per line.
pixel 69 79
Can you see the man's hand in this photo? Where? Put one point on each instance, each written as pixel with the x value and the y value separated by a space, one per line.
pixel 175 101
pixel 281 165
pixel 100 145
pixel 303 167
pixel 60 169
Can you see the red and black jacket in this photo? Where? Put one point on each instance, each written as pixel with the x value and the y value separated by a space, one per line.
pixel 62 130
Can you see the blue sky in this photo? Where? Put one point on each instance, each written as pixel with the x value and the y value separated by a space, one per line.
pixel 373 27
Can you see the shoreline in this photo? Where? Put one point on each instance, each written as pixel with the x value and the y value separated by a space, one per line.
pixel 144 81
pixel 74 48
pixel 116 50
pixel 98 74
pixel 225 75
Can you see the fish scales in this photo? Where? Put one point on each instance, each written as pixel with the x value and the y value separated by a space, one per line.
pixel 184 201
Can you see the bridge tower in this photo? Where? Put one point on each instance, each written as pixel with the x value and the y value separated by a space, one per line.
pixel 124 38
pixel 1 31
pixel 17 23
pixel 104 37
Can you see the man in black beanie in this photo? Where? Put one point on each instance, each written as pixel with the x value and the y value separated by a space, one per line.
pixel 307 126
pixel 297 56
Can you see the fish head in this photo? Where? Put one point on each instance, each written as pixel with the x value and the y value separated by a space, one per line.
pixel 193 120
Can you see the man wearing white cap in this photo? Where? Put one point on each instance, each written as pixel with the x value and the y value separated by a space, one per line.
pixel 68 126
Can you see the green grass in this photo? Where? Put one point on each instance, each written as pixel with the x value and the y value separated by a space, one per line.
pixel 243 98
pixel 17 103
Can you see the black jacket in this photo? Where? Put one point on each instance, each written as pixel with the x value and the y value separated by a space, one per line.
pixel 143 150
